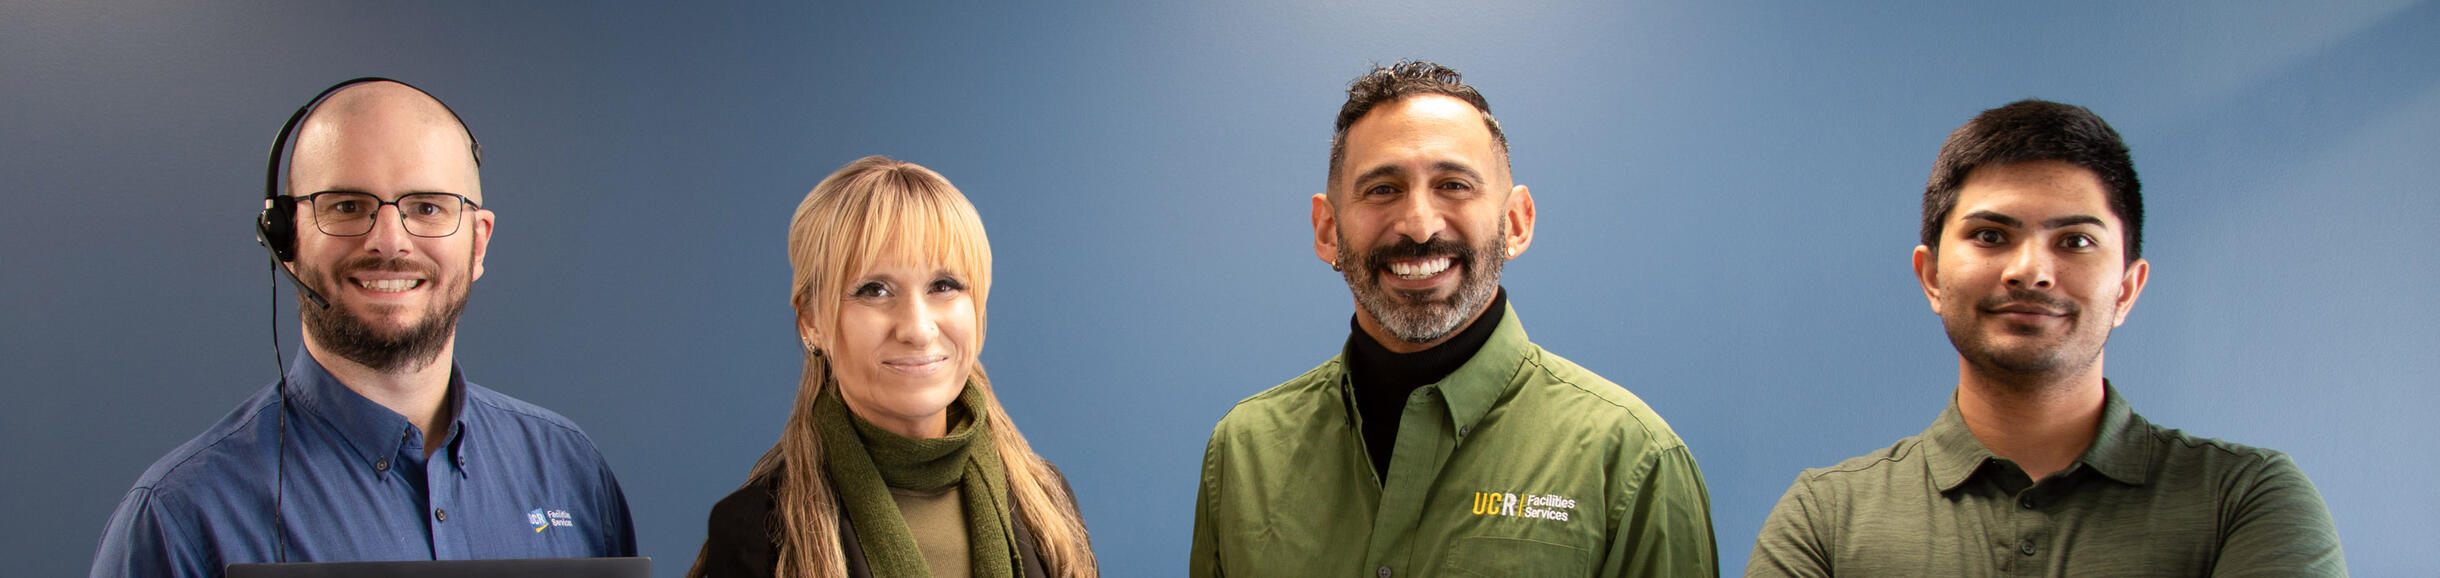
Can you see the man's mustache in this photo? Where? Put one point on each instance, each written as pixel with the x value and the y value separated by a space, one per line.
pixel 2029 301
pixel 1408 249
pixel 388 264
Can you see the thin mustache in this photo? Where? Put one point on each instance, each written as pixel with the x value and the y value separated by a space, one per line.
pixel 2047 303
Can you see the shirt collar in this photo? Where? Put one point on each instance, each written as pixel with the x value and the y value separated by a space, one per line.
pixel 1475 386
pixel 2117 450
pixel 374 431
pixel 1951 450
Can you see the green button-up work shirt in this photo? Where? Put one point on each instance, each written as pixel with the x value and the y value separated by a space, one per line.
pixel 2142 501
pixel 1518 464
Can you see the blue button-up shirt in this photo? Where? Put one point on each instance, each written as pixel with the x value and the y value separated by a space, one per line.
pixel 512 480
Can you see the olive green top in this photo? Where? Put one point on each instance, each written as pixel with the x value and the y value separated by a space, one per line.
pixel 1518 464
pixel 937 518
pixel 2142 501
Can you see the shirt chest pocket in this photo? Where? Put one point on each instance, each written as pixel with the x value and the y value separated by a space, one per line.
pixel 1503 556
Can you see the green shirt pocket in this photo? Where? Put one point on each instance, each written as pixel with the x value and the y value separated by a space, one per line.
pixel 1503 556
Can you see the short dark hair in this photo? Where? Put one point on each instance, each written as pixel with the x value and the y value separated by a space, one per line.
pixel 1407 78
pixel 2036 130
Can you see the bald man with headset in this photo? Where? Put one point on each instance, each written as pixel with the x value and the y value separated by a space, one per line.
pixel 372 445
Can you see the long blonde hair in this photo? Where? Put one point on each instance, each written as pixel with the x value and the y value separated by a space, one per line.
pixel 870 206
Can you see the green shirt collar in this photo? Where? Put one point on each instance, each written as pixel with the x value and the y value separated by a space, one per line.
pixel 2117 452
pixel 1475 386
pixel 1951 450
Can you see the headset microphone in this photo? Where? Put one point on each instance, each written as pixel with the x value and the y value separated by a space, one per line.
pixel 308 292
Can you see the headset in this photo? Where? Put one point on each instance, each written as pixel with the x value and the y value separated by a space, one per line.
pixel 276 229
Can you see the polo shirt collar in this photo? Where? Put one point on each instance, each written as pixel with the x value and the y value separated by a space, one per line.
pixel 2117 450
pixel 1951 450
pixel 374 431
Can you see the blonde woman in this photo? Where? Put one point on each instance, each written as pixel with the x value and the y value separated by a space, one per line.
pixel 897 460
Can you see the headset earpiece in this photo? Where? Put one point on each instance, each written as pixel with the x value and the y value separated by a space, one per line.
pixel 276 228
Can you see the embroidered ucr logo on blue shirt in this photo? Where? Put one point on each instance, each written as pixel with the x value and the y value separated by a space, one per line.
pixel 545 518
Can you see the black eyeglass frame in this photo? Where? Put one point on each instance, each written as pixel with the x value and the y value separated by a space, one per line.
pixel 375 215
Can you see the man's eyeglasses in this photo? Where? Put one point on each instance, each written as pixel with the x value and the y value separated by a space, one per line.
pixel 348 213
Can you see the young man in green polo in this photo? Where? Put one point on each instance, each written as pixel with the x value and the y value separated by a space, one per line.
pixel 2031 254
pixel 1440 441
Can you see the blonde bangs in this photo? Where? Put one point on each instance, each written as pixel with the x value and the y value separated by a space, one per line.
pixel 876 210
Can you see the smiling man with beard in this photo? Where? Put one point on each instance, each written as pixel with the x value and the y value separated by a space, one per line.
pixel 374 446
pixel 2032 238
pixel 1440 441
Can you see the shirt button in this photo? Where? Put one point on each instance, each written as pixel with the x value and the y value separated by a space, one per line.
pixel 2025 547
pixel 407 434
pixel 443 515
pixel 382 466
pixel 1461 432
pixel 462 461
pixel 1383 572
pixel 2027 503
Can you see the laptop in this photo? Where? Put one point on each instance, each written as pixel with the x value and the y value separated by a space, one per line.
pixel 638 567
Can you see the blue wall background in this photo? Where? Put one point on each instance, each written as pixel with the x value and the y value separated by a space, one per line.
pixel 1728 189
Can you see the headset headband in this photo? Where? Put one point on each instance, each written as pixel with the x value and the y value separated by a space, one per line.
pixel 271 174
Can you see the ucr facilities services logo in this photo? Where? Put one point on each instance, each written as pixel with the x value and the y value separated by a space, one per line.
pixel 544 519
pixel 1542 507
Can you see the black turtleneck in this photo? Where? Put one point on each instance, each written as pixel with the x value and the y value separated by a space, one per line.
pixel 1383 378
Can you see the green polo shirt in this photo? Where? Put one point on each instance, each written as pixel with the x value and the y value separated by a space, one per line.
pixel 1518 464
pixel 2142 501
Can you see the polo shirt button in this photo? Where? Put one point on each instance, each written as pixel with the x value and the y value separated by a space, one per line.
pixel 2025 547
pixel 382 466
pixel 1461 432
pixel 1383 572
pixel 443 515
pixel 462 461
pixel 2027 503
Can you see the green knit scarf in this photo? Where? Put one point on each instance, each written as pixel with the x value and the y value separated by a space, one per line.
pixel 865 461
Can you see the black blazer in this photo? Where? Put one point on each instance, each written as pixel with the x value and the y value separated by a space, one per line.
pixel 739 540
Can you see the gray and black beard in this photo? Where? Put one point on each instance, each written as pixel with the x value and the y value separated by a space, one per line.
pixel 1415 317
pixel 355 340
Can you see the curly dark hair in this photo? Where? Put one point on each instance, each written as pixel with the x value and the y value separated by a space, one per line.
pixel 1407 78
